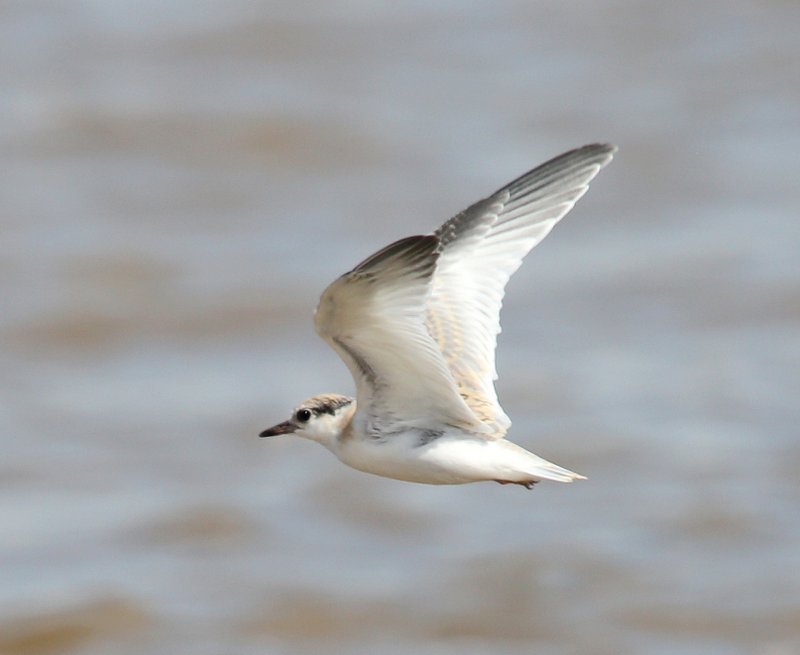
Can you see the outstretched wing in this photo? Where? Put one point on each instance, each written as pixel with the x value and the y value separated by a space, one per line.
pixel 479 250
pixel 374 318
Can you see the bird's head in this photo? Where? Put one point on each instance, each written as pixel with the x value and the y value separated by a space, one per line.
pixel 320 418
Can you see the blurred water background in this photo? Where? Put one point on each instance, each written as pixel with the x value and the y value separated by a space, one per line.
pixel 179 183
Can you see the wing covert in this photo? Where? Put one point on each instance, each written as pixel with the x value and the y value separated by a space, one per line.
pixel 374 318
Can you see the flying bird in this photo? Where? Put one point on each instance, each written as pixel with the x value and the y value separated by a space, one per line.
pixel 417 323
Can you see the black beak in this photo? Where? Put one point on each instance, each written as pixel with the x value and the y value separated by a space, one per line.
pixel 287 427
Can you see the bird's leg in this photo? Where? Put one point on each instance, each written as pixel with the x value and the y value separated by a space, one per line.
pixel 528 485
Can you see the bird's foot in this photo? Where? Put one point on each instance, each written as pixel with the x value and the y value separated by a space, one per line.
pixel 528 485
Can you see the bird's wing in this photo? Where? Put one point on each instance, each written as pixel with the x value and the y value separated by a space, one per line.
pixel 480 248
pixel 374 318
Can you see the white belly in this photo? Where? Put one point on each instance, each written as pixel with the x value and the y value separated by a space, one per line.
pixel 455 459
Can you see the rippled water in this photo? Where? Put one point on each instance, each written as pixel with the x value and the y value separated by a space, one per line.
pixel 179 183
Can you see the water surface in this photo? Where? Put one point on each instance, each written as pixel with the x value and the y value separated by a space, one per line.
pixel 180 182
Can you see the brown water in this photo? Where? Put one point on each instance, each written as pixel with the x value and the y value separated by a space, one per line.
pixel 181 180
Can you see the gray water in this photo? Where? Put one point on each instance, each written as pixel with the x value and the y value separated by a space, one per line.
pixel 179 183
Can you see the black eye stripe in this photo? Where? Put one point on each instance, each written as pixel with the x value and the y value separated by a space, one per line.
pixel 327 405
pixel 332 406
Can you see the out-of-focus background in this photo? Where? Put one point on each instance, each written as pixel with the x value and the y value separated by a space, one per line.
pixel 179 183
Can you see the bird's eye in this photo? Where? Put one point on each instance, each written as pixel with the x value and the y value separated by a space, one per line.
pixel 303 415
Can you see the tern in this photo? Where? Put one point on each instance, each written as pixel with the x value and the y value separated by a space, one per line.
pixel 417 323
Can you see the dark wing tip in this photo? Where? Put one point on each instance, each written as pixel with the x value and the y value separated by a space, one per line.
pixel 594 154
pixel 599 147
pixel 600 150
pixel 601 153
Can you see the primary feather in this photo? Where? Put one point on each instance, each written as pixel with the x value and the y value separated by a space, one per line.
pixel 479 250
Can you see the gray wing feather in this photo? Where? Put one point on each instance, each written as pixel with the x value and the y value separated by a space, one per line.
pixel 480 249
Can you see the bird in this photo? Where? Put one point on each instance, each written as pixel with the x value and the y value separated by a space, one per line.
pixel 416 323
